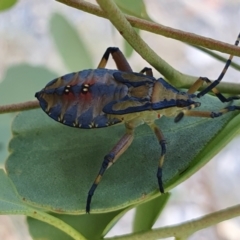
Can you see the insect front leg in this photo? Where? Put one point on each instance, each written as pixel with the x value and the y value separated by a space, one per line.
pixel 162 144
pixel 109 159
pixel 207 114
pixel 211 86
pixel 118 57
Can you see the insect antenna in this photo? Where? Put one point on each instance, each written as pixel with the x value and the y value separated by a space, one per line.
pixel 219 79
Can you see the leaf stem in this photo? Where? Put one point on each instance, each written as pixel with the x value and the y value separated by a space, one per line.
pixel 184 230
pixel 61 225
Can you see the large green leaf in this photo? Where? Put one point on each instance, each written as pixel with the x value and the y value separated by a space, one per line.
pixel 21 81
pixel 10 203
pixel 89 225
pixel 53 166
pixel 71 47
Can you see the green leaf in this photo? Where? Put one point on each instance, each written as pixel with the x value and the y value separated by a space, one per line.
pixel 148 212
pixel 71 47
pixel 53 166
pixel 89 225
pixel 10 203
pixel 134 7
pixel 6 4
pixel 21 81
pixel 5 130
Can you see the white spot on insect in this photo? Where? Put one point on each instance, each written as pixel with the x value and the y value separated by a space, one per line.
pixel 67 88
pixel 64 121
pixel 85 89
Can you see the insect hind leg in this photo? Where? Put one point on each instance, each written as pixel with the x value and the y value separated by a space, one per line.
pixel 118 57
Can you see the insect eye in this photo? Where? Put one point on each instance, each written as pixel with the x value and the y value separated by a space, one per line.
pixel 67 89
pixel 85 88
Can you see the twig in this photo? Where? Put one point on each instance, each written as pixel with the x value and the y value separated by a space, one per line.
pixel 184 230
pixel 160 29
pixel 19 107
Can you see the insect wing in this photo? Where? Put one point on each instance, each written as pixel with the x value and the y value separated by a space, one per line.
pixel 138 97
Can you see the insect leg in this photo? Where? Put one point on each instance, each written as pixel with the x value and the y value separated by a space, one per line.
pixel 148 71
pixel 109 159
pixel 208 113
pixel 212 85
pixel 162 143
pixel 118 57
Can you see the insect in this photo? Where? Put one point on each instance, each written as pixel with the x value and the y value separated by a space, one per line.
pixel 101 97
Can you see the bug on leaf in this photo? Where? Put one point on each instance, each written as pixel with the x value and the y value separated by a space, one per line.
pixel 97 98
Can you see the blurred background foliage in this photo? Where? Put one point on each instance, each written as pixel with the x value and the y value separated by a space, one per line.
pixel 44 39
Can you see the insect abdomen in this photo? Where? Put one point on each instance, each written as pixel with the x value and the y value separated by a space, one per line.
pixel 77 99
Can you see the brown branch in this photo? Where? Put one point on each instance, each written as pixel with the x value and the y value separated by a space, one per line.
pixel 19 107
pixel 160 29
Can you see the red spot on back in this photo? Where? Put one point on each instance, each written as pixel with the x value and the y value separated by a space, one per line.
pixel 86 96
pixel 69 97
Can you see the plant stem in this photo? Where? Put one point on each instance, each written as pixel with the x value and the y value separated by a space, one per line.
pixel 126 30
pixel 61 225
pixel 184 230
pixel 160 29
